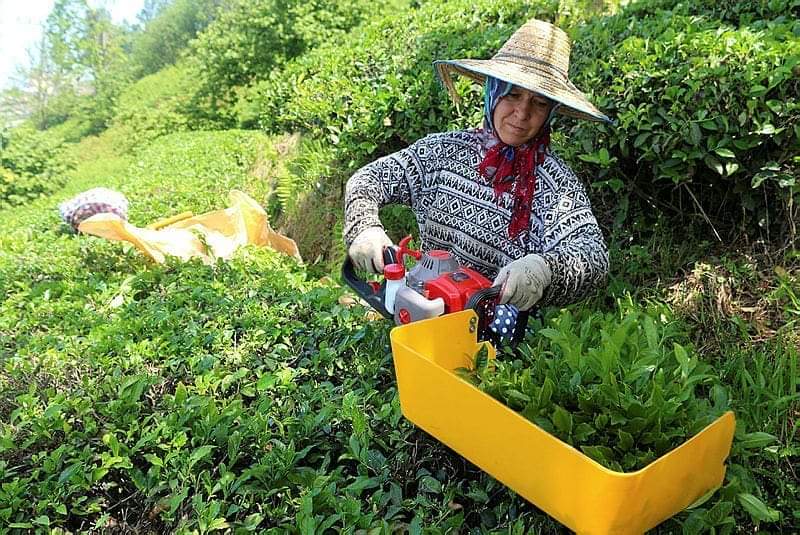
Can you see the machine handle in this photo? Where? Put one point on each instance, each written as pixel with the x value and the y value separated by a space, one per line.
pixel 374 297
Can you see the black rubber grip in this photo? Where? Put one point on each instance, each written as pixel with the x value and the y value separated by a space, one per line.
pixel 365 290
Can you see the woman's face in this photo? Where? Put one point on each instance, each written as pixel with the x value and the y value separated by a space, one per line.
pixel 519 115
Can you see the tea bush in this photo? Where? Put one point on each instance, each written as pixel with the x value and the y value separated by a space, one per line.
pixel 188 397
pixel 726 130
pixel 155 105
pixel 737 12
pixel 32 164
pixel 383 94
pixel 623 387
pixel 245 396
pixel 698 104
pixel 249 39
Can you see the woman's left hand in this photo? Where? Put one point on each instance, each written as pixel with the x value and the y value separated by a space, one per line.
pixel 524 281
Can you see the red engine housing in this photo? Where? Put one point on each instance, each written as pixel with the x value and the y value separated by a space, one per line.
pixel 456 287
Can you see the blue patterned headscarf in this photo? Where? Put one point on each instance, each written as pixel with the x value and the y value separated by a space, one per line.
pixel 494 89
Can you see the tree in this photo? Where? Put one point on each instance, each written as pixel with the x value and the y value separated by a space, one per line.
pixel 87 53
pixel 34 88
pixel 168 29
pixel 150 10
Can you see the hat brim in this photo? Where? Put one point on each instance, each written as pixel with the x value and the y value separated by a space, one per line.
pixel 573 102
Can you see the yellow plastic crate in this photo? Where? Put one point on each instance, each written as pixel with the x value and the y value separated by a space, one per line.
pixel 559 479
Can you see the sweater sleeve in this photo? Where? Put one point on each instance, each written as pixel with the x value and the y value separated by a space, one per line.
pixel 393 179
pixel 573 244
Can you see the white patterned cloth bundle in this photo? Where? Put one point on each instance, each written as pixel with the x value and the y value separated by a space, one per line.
pixel 94 201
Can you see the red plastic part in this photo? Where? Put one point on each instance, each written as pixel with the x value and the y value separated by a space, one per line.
pixel 394 272
pixel 403 250
pixel 456 288
pixel 404 316
pixel 439 254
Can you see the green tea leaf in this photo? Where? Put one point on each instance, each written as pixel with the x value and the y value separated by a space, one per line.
pixel 266 382
pixel 719 395
pixel 601 454
pixel 481 358
pixel 546 393
pixel 516 395
pixel 415 527
pixel 714 164
pixel 575 380
pixel 180 394
pixel 200 453
pixel 758 509
pixel 686 364
pixel 154 459
pixel 757 440
pixel 695 135
pixel 625 440
pixel 703 499
pixel 562 420
pixel 176 500
pixel 720 512
pixel 582 432
pixel 725 153
pixel 430 484
pixel 70 471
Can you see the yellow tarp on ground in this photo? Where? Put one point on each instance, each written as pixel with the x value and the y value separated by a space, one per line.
pixel 207 236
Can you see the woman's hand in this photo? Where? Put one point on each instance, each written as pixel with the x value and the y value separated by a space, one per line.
pixel 524 281
pixel 366 251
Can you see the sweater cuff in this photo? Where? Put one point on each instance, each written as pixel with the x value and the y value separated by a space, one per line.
pixel 357 227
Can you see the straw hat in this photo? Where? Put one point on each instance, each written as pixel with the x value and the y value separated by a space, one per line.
pixel 536 58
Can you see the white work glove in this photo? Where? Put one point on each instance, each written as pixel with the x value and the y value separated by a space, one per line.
pixel 366 251
pixel 523 281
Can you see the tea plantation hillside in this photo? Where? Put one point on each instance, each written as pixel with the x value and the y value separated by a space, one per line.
pixel 258 395
pixel 245 396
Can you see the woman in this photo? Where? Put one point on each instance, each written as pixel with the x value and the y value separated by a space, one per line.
pixel 496 197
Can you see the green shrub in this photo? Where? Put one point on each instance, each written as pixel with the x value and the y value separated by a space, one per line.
pixel 698 104
pixel 194 171
pixel 73 129
pixel 31 165
pixel 734 12
pixel 381 93
pixel 624 387
pixel 155 105
pixel 166 36
pixel 249 39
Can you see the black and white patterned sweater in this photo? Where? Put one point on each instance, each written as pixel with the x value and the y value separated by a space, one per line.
pixel 457 211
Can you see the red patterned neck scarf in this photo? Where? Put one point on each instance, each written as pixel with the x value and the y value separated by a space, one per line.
pixel 513 170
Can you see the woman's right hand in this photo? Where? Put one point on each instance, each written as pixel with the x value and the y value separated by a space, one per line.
pixel 366 251
pixel 524 281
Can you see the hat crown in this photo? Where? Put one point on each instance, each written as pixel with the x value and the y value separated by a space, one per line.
pixel 538 45
pixel 535 57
